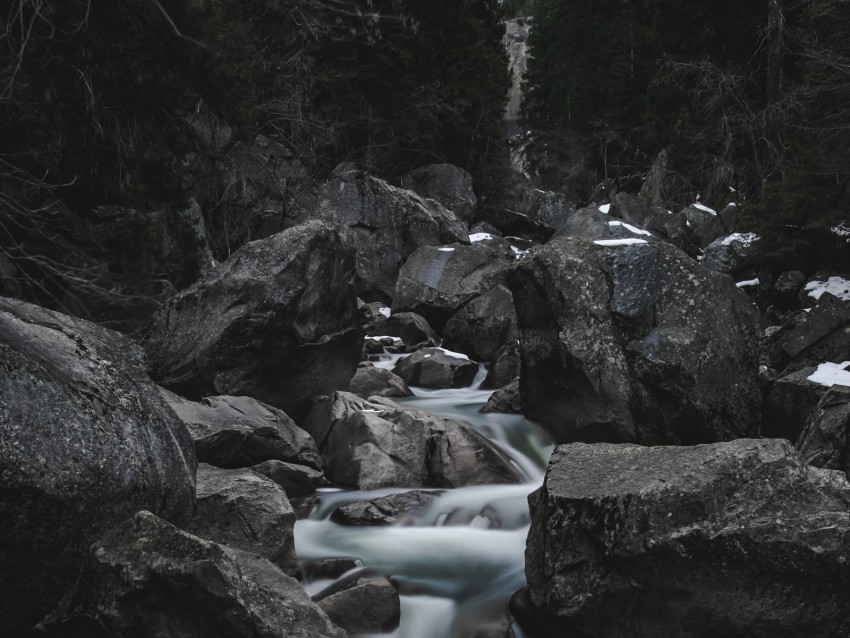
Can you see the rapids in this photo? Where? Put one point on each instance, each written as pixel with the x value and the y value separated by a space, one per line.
pixel 458 561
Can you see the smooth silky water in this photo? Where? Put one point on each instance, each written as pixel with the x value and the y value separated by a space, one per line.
pixel 458 561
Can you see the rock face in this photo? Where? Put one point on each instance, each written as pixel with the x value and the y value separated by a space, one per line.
pixel 437 282
pixel 789 403
pixel 634 342
pixel 434 368
pixel 483 325
pixel 296 480
pixel 825 441
pixel 505 367
pixel 376 443
pixel 412 329
pixel 86 440
pixel 277 321
pixel 148 579
pixel 369 382
pixel 369 608
pixel 448 184
pixel 233 432
pixel 246 511
pixel 387 224
pixel 731 539
pixel 505 400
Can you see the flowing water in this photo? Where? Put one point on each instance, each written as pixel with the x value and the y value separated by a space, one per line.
pixel 458 561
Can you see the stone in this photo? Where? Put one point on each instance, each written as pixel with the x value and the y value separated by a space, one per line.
pixel 386 225
pixel 505 367
pixel 786 290
pixel 368 608
pixel 728 539
pixel 789 403
pixel 234 432
pixel 86 440
pixel 634 342
pixel 505 400
pixel 148 579
pixel 701 226
pixel 448 184
pixel 825 440
pixel 296 480
pixel 377 443
pixel 384 510
pixel 277 321
pixel 412 329
pixel 437 281
pixel 434 368
pixel 483 325
pixel 732 254
pixel 380 382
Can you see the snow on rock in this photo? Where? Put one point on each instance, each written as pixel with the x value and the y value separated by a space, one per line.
pixel 748 282
pixel 458 355
pixel 476 237
pixel 745 239
pixel 605 208
pixel 619 242
pixel 703 207
pixel 631 229
pixel 519 253
pixel 383 310
pixel 446 250
pixel 837 286
pixel 841 230
pixel 830 374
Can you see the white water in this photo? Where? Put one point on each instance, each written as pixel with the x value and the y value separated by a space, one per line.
pixel 457 562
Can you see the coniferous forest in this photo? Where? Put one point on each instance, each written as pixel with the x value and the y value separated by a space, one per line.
pixel 424 318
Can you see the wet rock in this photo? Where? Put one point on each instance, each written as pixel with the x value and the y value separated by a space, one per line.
pixel 86 440
pixel 277 321
pixel 329 568
pixel 483 325
pixel 377 443
pixel 414 330
pixel 246 511
pixel 234 432
pixel 369 608
pixel 448 184
pixel 505 367
pixel 384 510
pixel 386 224
pixel 825 441
pixel 434 368
pixel 296 480
pixel 789 403
pixel 148 578
pixel 634 343
pixel 380 382
pixel 732 539
pixel 437 282
pixel 505 400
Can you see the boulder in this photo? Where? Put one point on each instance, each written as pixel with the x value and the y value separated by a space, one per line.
pixel 247 511
pixel 786 290
pixel 634 342
pixel 731 254
pixel 505 367
pixel 369 608
pixel 296 480
pixel 789 403
pixel 148 579
pixel 377 443
pixel 436 368
pixel 86 440
pixel 234 432
pixel 437 281
pixel 505 400
pixel 593 224
pixel 448 184
pixel 384 510
pixel 380 382
pixel 412 329
pixel 825 441
pixel 702 226
pixel 483 325
pixel 386 224
pixel 277 321
pixel 730 539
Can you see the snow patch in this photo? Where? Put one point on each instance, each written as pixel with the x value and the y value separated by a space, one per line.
pixel 476 237
pixel 519 254
pixel 746 239
pixel 704 208
pixel 605 208
pixel 379 338
pixel 841 230
pixel 830 374
pixel 383 310
pixel 631 229
pixel 446 250
pixel 457 355
pixel 837 286
pixel 748 282
pixel 619 242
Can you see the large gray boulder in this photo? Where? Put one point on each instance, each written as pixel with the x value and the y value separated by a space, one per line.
pixel 86 440
pixel 790 402
pixel 448 184
pixel 233 432
pixel 384 510
pixel 296 480
pixel 386 224
pixel 371 381
pixel 148 579
pixel 367 608
pixel 483 325
pixel 277 321
pixel 825 441
pixel 437 281
pixel 435 368
pixel 377 443
pixel 247 511
pixel 738 539
pixel 634 342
